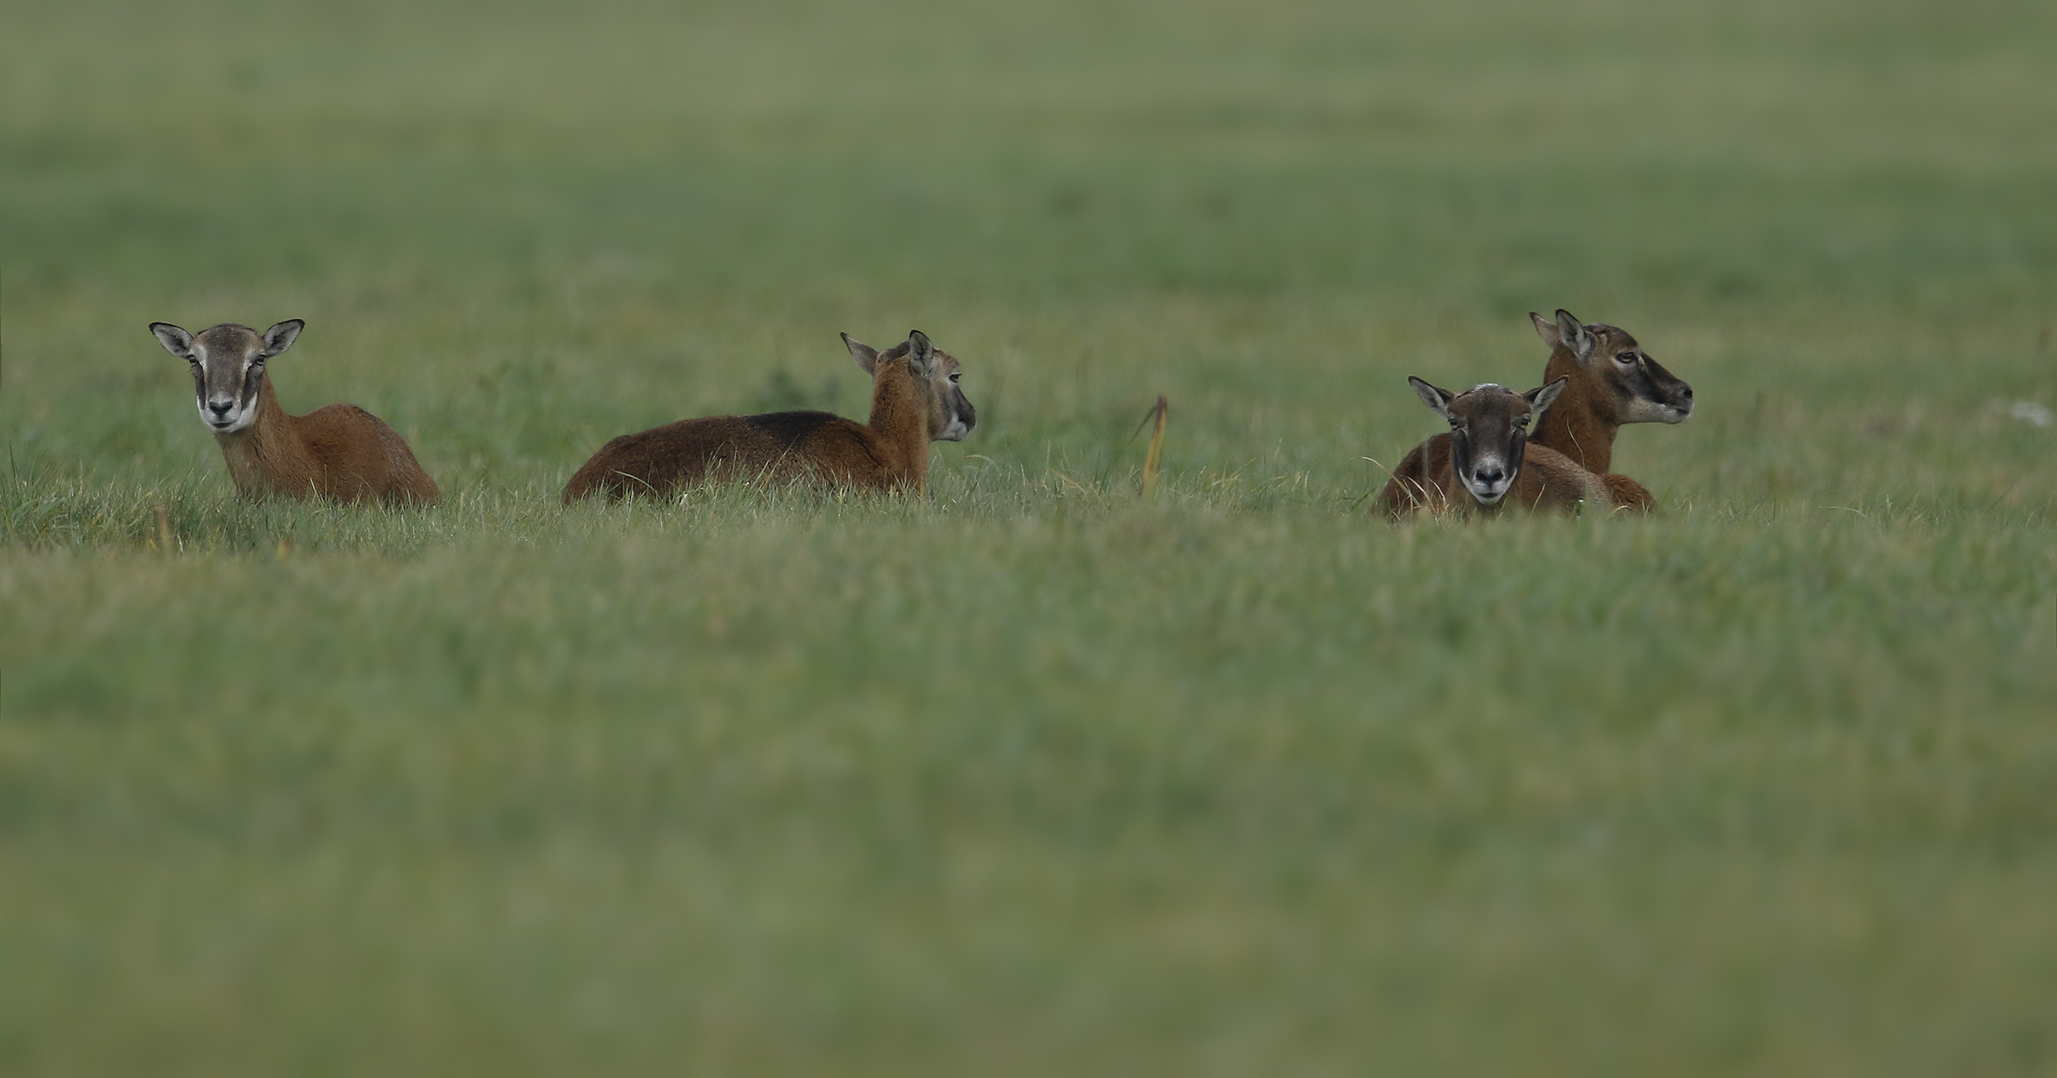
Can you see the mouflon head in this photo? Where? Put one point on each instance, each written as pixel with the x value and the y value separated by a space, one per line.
pixel 1636 387
pixel 228 367
pixel 950 414
pixel 1488 431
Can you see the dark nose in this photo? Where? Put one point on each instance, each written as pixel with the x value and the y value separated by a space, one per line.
pixel 220 408
pixel 1685 391
pixel 1489 475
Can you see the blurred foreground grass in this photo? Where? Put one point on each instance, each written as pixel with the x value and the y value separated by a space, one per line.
pixel 1032 776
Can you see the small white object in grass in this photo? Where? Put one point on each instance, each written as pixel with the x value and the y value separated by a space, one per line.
pixel 2030 412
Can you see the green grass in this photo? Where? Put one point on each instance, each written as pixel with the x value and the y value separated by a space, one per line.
pixel 1032 776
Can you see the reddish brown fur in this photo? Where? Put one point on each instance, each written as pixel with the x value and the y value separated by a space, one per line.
pixel 1581 425
pixel 1427 481
pixel 889 453
pixel 340 452
pixel 1625 492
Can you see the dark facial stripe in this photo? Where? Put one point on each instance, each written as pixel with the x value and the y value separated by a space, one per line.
pixel 253 380
pixel 1670 388
pixel 1650 382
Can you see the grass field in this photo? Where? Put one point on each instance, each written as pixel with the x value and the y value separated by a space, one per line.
pixel 1033 776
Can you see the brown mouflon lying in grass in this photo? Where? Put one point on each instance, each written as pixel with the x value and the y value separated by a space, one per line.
pixel 914 401
pixel 1485 461
pixel 1609 382
pixel 340 452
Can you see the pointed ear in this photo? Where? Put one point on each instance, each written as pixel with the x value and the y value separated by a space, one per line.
pixel 1546 328
pixel 281 337
pixel 1572 334
pixel 1540 399
pixel 175 340
pixel 921 355
pixel 1438 400
pixel 866 356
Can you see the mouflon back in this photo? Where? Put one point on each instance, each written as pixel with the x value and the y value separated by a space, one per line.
pixel 914 401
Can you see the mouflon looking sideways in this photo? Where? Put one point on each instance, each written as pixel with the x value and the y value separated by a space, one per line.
pixel 1611 382
pixel 914 401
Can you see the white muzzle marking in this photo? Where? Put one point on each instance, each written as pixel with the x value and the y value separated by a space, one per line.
pixel 1645 411
pixel 1487 494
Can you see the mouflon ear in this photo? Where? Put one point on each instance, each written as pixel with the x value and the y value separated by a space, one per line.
pixel 175 340
pixel 1438 400
pixel 1572 334
pixel 1546 328
pixel 1540 398
pixel 921 355
pixel 281 337
pixel 866 356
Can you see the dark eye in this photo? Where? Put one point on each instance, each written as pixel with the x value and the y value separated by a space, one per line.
pixel 954 378
pixel 1625 358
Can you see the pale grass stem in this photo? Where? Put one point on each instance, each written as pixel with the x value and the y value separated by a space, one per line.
pixel 1153 458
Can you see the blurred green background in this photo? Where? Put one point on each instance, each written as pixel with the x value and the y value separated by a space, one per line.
pixel 1032 776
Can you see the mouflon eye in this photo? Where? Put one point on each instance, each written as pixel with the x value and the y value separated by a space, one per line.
pixel 1625 358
